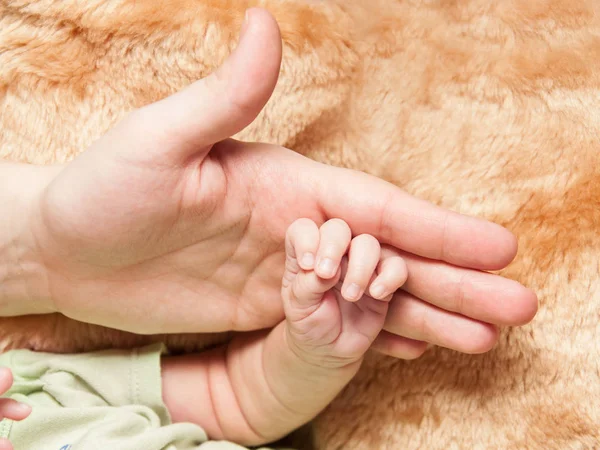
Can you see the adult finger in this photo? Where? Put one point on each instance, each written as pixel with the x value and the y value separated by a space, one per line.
pixel 398 346
pixel 372 206
pixel 413 318
pixel 482 296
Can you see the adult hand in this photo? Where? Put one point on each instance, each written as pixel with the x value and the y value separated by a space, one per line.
pixel 165 225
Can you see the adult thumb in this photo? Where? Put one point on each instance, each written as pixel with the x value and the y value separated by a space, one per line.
pixel 225 102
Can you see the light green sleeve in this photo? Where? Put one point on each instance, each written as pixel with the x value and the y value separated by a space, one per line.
pixel 92 401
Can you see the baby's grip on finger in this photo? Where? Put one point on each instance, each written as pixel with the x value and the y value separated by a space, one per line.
pixel 302 243
pixel 362 262
pixel 392 275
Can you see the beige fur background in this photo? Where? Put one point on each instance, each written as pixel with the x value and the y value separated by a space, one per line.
pixel 489 107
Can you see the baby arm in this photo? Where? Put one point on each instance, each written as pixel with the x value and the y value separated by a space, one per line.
pixel 265 384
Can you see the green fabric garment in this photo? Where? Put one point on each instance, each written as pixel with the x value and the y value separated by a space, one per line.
pixel 93 401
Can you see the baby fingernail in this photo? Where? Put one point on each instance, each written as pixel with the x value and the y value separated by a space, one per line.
pixel 327 267
pixel 308 260
pixel 353 291
pixel 377 290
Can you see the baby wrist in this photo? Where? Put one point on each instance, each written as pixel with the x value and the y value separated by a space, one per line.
pixel 315 382
pixel 319 362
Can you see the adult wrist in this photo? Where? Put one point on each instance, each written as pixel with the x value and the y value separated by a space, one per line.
pixel 24 287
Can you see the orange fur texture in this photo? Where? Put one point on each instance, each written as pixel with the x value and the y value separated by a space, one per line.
pixel 488 107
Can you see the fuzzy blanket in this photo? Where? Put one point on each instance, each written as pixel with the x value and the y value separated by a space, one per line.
pixel 488 107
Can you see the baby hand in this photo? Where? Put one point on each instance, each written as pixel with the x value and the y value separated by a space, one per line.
pixel 333 317
pixel 10 409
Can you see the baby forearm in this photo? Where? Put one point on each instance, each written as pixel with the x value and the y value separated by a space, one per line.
pixel 278 390
pixel 252 391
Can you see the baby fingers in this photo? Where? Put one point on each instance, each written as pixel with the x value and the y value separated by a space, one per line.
pixel 392 274
pixel 301 244
pixel 10 409
pixel 13 410
pixel 380 271
pixel 362 261
pixel 333 245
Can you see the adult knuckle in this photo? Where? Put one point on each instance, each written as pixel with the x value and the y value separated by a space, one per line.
pixel 424 325
pixel 460 289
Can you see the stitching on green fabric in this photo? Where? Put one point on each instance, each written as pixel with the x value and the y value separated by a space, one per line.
pixel 5 427
pixel 130 380
pixel 135 377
